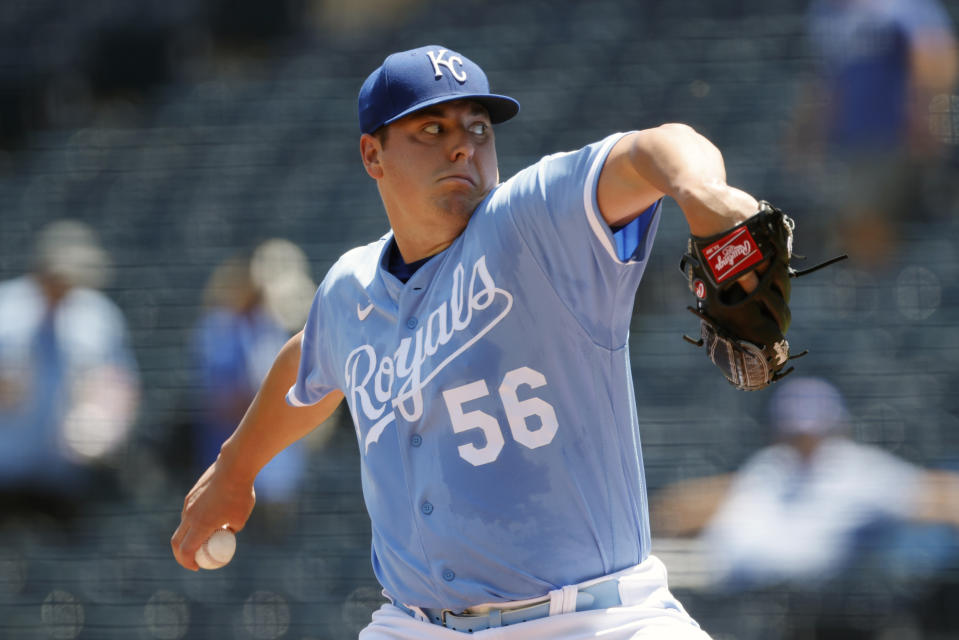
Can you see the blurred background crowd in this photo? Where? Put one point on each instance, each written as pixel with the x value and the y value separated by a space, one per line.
pixel 177 175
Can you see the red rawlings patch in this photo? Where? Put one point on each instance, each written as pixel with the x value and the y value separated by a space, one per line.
pixel 732 254
pixel 699 288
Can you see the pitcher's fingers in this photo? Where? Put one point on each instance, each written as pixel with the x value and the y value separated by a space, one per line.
pixel 235 526
pixel 749 282
pixel 184 547
pixel 177 537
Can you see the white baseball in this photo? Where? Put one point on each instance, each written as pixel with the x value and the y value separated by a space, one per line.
pixel 217 550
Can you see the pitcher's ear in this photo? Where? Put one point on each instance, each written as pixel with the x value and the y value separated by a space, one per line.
pixel 370 150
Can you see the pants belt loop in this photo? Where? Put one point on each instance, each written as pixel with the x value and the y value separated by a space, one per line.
pixel 562 600
pixel 495 618
pixel 419 615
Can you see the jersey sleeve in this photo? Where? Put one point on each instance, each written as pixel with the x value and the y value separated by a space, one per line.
pixel 893 485
pixel 315 377
pixel 553 206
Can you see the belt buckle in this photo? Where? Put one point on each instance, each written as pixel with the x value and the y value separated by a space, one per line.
pixel 443 616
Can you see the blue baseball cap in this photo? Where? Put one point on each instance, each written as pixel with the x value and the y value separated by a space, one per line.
pixel 411 80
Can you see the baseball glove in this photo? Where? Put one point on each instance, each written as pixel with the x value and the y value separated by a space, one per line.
pixel 745 333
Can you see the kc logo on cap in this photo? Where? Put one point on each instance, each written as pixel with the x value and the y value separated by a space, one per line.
pixel 411 80
pixel 438 59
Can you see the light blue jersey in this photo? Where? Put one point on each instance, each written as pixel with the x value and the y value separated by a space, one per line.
pixel 492 395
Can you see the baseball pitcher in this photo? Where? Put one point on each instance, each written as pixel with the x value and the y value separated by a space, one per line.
pixel 481 346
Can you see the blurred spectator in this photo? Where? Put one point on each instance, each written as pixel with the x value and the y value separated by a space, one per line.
pixel 865 116
pixel 69 387
pixel 797 510
pixel 819 525
pixel 253 304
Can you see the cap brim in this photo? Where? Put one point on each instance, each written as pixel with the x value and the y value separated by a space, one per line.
pixel 500 108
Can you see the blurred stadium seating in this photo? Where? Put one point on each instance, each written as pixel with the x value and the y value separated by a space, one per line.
pixel 183 130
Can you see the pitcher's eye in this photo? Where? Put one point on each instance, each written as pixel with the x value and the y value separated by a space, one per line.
pixel 432 128
pixel 479 128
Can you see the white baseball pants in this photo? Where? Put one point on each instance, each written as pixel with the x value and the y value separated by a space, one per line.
pixel 649 612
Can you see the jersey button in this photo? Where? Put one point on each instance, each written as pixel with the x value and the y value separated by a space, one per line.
pixel 411 323
pixel 449 576
pixel 427 508
pixel 416 440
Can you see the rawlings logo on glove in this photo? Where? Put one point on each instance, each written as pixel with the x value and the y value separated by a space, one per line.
pixel 745 333
pixel 732 254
